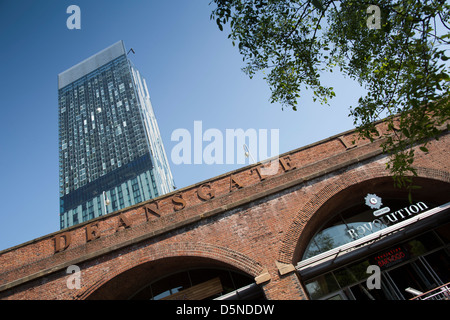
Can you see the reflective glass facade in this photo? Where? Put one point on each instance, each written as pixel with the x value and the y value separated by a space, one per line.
pixel 109 140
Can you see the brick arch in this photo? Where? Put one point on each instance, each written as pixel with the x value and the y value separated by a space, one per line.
pixel 195 252
pixel 313 212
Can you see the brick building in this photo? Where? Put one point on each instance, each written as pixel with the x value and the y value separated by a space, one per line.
pixel 310 231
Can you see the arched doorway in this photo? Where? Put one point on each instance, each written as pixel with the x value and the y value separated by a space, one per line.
pixel 201 284
pixel 374 232
pixel 180 278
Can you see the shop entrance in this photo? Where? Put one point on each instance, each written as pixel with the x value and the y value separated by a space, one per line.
pixel 201 284
pixel 413 267
pixel 407 242
pixel 412 276
pixel 406 281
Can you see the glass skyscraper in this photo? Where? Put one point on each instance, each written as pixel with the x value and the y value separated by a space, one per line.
pixel 110 147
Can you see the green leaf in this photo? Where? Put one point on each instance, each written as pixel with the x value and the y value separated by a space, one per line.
pixel 318 5
pixel 219 24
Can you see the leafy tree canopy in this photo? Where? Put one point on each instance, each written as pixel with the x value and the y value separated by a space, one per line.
pixel 395 49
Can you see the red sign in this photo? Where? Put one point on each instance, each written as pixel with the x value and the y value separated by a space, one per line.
pixel 390 258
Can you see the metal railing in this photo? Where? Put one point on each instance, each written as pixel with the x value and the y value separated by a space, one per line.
pixel 439 293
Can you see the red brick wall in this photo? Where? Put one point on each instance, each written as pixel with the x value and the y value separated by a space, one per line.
pixel 259 226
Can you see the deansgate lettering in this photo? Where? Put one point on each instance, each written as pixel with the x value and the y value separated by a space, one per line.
pixel 206 192
pixel 152 210
pixel 234 183
pixel 64 238
pixel 92 232
pixel 123 222
pixel 179 202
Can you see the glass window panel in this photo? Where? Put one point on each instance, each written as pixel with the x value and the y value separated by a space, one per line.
pixel 174 283
pixel 321 286
pixel 352 274
pixel 444 233
pixel 422 244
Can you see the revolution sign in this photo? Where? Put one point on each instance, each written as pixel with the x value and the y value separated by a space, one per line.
pixel 384 217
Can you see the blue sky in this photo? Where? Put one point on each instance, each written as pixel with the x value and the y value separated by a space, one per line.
pixel 193 73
